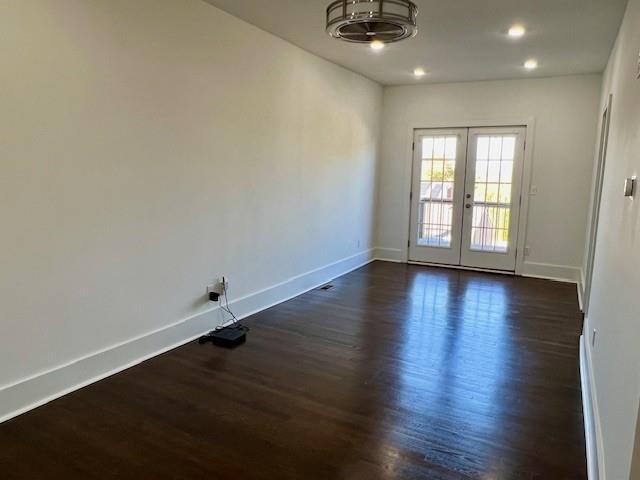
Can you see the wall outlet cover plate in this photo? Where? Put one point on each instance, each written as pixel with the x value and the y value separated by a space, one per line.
pixel 629 186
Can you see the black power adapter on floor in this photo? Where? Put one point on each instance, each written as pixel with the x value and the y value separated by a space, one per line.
pixel 228 337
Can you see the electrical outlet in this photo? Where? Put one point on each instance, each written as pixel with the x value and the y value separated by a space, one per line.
pixel 527 251
pixel 594 333
pixel 359 242
pixel 218 287
pixel 534 190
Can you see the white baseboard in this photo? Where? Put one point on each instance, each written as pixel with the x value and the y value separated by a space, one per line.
pixel 582 285
pixel 548 271
pixel 595 463
pixel 460 267
pixel 389 255
pixel 563 273
pixel 31 392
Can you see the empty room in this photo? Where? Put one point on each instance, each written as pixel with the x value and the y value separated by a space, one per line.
pixel 320 239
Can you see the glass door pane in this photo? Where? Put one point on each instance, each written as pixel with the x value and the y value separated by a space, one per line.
pixel 437 177
pixel 492 193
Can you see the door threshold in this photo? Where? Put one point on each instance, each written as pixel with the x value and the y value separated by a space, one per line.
pixel 461 267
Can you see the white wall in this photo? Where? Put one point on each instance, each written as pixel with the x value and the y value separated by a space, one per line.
pixel 613 309
pixel 149 147
pixel 565 114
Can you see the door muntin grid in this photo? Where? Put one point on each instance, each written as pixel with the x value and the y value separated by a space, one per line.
pixel 492 193
pixel 437 188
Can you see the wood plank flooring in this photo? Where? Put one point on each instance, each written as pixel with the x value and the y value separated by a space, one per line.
pixel 397 372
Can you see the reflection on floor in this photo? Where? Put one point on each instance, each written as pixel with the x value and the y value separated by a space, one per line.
pixel 398 372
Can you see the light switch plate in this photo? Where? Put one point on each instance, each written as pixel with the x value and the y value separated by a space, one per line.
pixel 629 186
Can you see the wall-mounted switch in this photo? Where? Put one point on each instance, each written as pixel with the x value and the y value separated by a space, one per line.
pixel 629 186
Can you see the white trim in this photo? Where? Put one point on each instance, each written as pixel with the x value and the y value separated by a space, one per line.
pixel 587 414
pixel 507 260
pixel 529 123
pixel 460 267
pixel 595 407
pixel 549 271
pixel 389 255
pixel 31 392
pixel 426 253
pixel 546 271
pixel 525 195
pixel 582 291
pixel 595 201
pixel 592 433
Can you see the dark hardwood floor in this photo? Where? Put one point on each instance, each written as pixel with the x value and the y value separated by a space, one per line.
pixel 397 372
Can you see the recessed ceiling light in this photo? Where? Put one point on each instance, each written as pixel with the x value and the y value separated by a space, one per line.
pixel 531 64
pixel 376 45
pixel 419 72
pixel 517 31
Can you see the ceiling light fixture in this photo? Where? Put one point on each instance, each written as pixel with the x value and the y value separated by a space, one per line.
pixel 376 45
pixel 531 64
pixel 419 72
pixel 517 31
pixel 370 21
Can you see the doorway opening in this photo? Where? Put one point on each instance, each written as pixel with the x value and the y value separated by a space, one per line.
pixel 466 196
pixel 595 207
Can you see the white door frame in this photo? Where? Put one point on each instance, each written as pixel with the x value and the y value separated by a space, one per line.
pixel 450 255
pixel 483 259
pixel 598 181
pixel 529 123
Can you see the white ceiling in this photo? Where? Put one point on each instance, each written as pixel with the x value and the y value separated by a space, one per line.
pixel 458 40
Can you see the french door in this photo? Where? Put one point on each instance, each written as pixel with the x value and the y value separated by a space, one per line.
pixel 465 196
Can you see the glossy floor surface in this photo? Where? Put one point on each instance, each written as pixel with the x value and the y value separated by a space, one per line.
pixel 397 372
